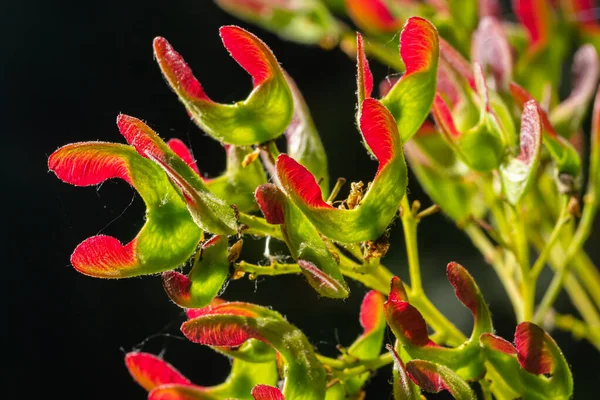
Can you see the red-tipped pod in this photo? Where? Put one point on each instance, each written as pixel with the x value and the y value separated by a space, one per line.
pixel 364 77
pixel 491 49
pixel 167 239
pixel 306 246
pixel 534 366
pixel 232 324
pixel 164 382
pixel 236 185
pixel 151 371
pixel 434 378
pixel 562 152
pixel 204 281
pixel 568 116
pixel 368 345
pixel 519 172
pixel 410 327
pixel 535 15
pixel 404 387
pixel 265 392
pixel 373 16
pixel 378 206
pixel 411 97
pixel 481 146
pixel 209 212
pixel 262 116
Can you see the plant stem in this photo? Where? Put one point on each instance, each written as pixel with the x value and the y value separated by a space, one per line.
pixel 578 328
pixel 522 250
pixel 273 269
pixel 409 224
pixel 563 269
pixel 563 218
pixel 259 226
pixel 577 294
pixel 416 293
pixel 589 275
pixel 492 256
pixel 347 369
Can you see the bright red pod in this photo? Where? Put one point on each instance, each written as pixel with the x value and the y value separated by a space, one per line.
pixel 406 321
pixel 535 15
pixel 91 163
pixel 377 208
pixel 262 116
pixel 434 378
pixel 266 392
pixel 151 371
pixel 373 16
pixel 371 311
pixel 533 352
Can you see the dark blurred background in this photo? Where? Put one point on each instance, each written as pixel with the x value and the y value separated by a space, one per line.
pixel 67 69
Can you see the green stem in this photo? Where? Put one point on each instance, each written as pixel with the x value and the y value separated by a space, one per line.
pixel 522 249
pixel 578 328
pixel 416 293
pixel 576 293
pixel 409 224
pixel 581 234
pixel 589 275
pixel 348 369
pixel 563 218
pixel 493 257
pixel 259 226
pixel 269 270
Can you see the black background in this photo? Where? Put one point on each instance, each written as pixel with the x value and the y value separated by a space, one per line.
pixel 66 70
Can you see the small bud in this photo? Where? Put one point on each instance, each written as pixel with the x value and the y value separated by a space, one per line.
pixel 574 207
pixel 251 157
pixel 235 251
